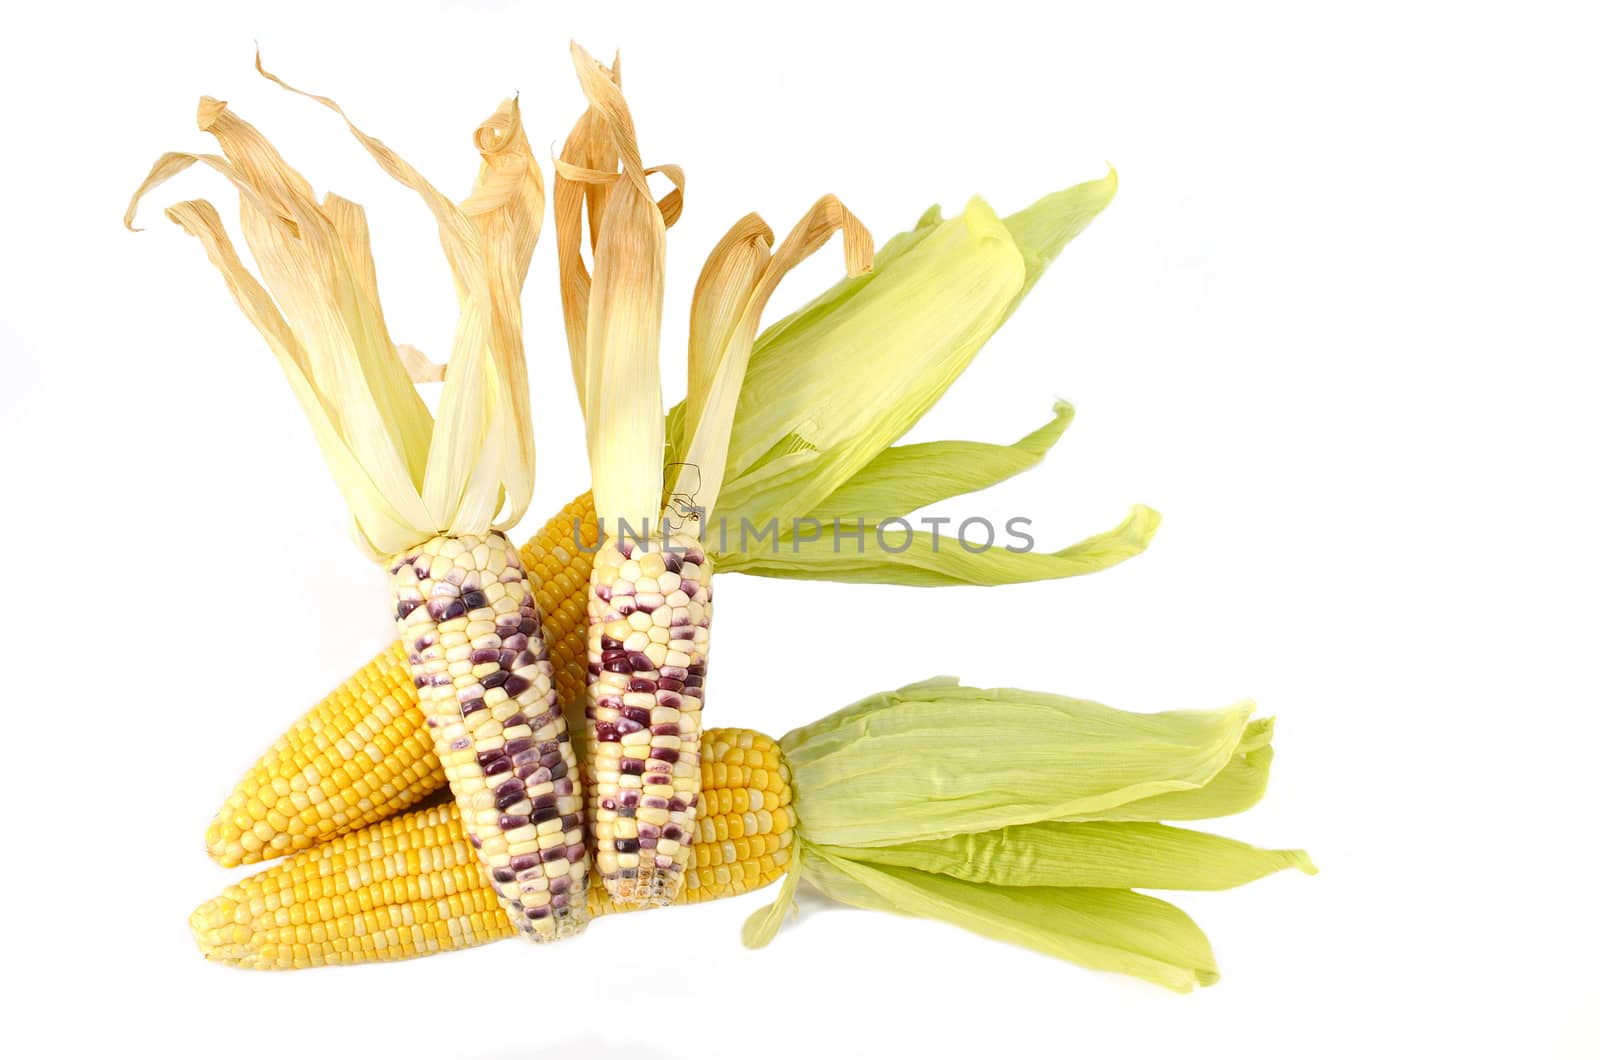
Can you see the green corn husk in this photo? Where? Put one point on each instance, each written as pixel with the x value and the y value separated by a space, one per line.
pixel 1107 930
pixel 1114 854
pixel 1029 818
pixel 831 387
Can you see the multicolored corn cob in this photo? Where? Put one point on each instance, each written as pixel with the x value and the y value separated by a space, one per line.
pixel 465 610
pixel 365 752
pixel 411 886
pixel 428 497
pixel 649 629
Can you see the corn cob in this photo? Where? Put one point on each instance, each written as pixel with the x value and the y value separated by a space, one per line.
pixel 486 686
pixel 863 806
pixel 650 587
pixel 428 498
pixel 365 751
pixel 649 625
pixel 410 886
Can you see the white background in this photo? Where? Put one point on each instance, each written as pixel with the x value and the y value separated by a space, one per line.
pixel 1339 326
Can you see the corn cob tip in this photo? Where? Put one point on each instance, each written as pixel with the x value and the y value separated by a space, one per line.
pixel 217 931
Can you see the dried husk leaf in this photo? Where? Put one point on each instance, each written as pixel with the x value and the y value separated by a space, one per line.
pixel 622 370
pixel 711 411
pixel 405 477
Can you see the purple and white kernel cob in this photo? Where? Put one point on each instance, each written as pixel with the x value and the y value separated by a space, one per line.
pixel 649 630
pixel 467 615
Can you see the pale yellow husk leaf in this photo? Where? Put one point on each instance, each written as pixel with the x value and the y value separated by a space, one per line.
pixel 405 477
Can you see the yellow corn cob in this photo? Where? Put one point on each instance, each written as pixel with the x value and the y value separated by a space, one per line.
pixel 649 626
pixel 466 611
pixel 411 885
pixel 365 751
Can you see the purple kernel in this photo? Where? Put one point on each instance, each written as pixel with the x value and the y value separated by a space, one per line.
pixel 605 732
pixel 515 685
pixel 549 813
pixel 405 607
pixel 632 767
pixel 474 599
pixel 499 765
pixel 637 714
pixel 508 821
pixel 444 608
pixel 640 661
pixel 515 642
pixel 609 643
pixel 524 862
pixel 665 754
pixel 627 846
pixel 672 831
pixel 668 729
pixel 504 875
pixel 494 680
pixel 472 706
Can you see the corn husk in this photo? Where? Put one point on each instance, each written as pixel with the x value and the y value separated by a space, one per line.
pixel 405 476
pixel 1025 817
pixel 812 438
